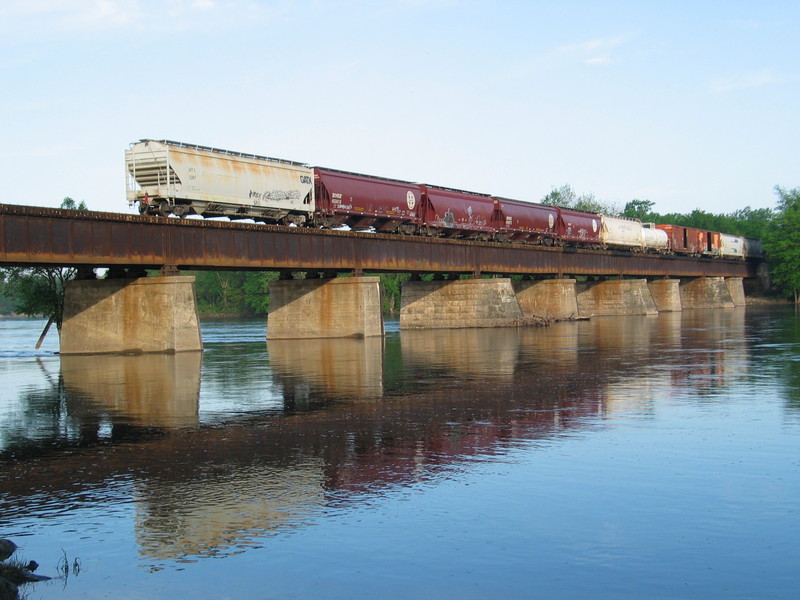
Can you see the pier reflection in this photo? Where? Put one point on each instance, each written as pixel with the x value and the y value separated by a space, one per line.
pixel 148 390
pixel 360 416
pixel 335 368
pixel 464 353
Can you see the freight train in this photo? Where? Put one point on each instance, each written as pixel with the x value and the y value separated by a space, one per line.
pixel 171 178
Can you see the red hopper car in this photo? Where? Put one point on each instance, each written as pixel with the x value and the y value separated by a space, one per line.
pixel 579 226
pixel 362 201
pixel 519 221
pixel 453 213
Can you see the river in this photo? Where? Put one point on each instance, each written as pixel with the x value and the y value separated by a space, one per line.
pixel 630 457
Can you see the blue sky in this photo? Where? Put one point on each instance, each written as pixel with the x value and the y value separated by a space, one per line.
pixel 688 104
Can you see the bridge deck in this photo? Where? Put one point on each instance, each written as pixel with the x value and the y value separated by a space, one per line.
pixel 33 236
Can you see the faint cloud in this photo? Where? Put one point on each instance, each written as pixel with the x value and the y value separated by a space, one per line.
pixel 70 14
pixel 104 14
pixel 603 59
pixel 594 52
pixel 743 81
pixel 51 16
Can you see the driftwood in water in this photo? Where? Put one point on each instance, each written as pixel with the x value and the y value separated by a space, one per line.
pixel 44 332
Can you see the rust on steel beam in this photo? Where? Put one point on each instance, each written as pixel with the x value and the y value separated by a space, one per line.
pixel 34 236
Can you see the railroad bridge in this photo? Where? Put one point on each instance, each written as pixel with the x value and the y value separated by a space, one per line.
pixel 130 312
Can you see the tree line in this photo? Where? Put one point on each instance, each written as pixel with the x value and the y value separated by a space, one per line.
pixel 40 291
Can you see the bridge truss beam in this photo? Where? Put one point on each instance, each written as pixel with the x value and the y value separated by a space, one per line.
pixel 33 236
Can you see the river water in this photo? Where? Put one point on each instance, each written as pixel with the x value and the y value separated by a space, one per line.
pixel 635 457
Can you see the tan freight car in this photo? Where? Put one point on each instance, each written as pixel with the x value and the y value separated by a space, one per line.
pixel 172 178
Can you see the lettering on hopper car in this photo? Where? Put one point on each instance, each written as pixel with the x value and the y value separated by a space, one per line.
pixel 305 179
pixel 276 195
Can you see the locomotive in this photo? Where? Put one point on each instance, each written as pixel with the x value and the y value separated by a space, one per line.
pixel 172 178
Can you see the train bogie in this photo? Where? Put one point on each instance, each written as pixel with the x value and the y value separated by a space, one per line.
pixel 519 221
pixel 453 213
pixel 362 202
pixel 167 177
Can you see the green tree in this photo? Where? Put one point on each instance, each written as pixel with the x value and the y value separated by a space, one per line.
pixel 753 223
pixel 782 242
pixel 70 204
pixel 256 290
pixel 563 196
pixel 391 286
pixel 566 197
pixel 640 209
pixel 233 292
pixel 40 290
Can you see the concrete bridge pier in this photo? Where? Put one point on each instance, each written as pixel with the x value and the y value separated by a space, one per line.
pixel 614 298
pixel 736 289
pixel 666 294
pixel 706 292
pixel 116 316
pixel 459 303
pixel 549 298
pixel 324 308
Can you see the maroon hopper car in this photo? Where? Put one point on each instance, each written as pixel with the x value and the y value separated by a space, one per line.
pixel 579 226
pixel 363 201
pixel 520 221
pixel 453 213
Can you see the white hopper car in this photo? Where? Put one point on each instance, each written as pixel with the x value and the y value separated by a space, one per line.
pixel 171 178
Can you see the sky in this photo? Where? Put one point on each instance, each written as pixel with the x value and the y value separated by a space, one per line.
pixel 689 104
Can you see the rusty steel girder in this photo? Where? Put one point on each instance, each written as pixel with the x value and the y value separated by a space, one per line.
pixel 33 236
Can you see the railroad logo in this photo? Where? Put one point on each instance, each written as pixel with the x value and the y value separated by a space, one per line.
pixel 411 201
pixel 551 220
pixel 594 225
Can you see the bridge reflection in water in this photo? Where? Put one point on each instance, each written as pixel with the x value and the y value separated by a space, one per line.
pixel 360 416
pixel 153 390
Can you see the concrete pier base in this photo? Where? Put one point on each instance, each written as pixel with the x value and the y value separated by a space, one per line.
pixel 459 303
pixel 615 298
pixel 149 314
pixel 736 290
pixel 324 308
pixel 549 298
pixel 705 292
pixel 666 294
